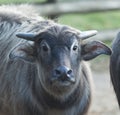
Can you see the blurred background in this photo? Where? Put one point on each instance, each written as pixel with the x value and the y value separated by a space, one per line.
pixel 101 15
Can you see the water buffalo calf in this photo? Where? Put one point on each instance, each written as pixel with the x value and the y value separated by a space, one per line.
pixel 115 66
pixel 42 68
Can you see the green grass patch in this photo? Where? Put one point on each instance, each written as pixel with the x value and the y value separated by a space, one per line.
pixel 99 21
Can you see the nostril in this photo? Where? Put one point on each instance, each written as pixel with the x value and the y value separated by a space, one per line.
pixel 69 72
pixel 57 72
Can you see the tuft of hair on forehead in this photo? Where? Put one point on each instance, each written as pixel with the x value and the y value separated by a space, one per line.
pixel 61 30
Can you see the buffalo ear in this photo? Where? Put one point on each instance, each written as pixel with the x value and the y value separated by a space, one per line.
pixel 24 52
pixel 93 49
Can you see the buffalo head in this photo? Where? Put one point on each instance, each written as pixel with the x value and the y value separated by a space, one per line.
pixel 58 52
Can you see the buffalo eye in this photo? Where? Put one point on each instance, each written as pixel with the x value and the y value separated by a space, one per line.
pixel 75 47
pixel 44 46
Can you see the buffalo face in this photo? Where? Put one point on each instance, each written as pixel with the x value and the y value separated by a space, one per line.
pixel 59 60
pixel 58 52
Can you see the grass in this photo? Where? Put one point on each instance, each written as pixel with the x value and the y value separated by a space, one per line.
pixel 99 21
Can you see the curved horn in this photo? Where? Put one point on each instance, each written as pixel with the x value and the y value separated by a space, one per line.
pixel 86 34
pixel 26 36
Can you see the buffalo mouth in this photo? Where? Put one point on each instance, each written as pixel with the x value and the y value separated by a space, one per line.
pixel 63 81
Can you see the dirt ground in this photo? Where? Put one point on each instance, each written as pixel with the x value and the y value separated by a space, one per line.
pixel 104 101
